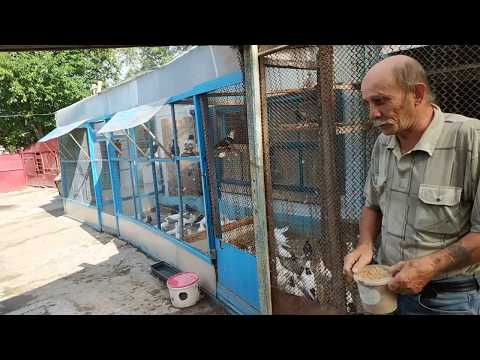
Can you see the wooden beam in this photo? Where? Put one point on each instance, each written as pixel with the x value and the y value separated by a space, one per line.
pixel 254 120
pixel 267 174
pixel 264 50
pixel 225 228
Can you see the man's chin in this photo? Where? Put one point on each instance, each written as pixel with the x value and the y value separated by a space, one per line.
pixel 387 129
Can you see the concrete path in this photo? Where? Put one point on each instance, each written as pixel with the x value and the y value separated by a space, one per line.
pixel 51 264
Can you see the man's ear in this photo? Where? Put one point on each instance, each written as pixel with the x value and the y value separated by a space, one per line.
pixel 420 91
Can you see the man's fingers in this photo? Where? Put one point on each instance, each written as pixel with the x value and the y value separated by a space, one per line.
pixel 393 285
pixel 364 260
pixel 349 261
pixel 394 269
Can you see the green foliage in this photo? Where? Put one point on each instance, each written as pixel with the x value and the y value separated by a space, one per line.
pixel 43 82
pixel 39 82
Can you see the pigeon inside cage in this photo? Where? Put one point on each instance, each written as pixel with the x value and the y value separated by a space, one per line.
pixel 299 271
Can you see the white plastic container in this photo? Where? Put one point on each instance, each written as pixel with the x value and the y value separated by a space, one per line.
pixel 375 296
pixel 184 290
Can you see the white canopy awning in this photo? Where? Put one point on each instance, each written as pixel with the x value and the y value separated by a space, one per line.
pixel 62 130
pixel 133 117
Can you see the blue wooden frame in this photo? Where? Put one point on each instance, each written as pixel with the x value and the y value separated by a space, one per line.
pixel 207 201
pixel 97 185
pixel 177 167
pixel 170 238
pixel 208 86
pixel 222 81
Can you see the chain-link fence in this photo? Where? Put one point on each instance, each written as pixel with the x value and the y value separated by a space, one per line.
pixel 229 159
pixel 76 172
pixel 319 141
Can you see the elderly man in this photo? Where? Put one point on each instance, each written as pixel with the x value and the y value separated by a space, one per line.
pixel 422 193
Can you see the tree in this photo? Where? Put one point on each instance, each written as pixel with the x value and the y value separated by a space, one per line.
pixel 42 82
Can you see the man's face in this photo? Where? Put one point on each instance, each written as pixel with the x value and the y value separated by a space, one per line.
pixel 389 107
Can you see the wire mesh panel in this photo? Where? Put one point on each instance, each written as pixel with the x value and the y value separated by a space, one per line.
pixel 231 166
pixel 319 142
pixel 318 145
pixel 76 174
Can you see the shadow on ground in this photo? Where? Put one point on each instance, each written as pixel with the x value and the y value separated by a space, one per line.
pixel 113 287
pixel 54 207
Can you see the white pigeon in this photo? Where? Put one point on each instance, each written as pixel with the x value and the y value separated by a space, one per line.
pixel 175 231
pixel 165 226
pixel 280 238
pixel 323 270
pixel 287 280
pixel 283 252
pixel 308 280
pixel 202 223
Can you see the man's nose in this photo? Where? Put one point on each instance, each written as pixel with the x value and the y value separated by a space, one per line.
pixel 374 113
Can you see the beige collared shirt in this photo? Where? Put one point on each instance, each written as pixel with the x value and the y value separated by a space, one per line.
pixel 427 196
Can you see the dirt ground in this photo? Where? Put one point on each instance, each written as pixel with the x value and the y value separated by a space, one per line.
pixel 51 264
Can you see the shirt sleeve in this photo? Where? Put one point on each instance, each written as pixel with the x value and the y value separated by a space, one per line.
pixel 473 186
pixel 370 191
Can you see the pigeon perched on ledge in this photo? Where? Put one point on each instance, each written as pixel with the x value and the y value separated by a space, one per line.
pixel 224 146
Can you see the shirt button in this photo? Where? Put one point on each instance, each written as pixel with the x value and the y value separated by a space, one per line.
pixel 438 199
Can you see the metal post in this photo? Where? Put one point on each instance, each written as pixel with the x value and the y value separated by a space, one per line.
pixel 252 87
pixel 114 181
pixel 97 184
pixel 177 165
pixel 330 195
pixel 134 167
pixel 131 165
pixel 154 177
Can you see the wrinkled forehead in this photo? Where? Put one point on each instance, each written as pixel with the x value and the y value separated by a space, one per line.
pixel 379 85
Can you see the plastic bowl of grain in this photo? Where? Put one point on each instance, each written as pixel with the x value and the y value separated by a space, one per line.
pixel 372 285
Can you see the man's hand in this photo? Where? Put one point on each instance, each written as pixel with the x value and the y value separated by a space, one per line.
pixel 356 260
pixel 410 277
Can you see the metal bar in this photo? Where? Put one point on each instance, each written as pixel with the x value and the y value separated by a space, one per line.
pixel 330 194
pixel 199 114
pixel 97 183
pixel 134 143
pixel 208 134
pixel 112 144
pixel 132 177
pixel 155 183
pixel 80 146
pixel 133 154
pixel 117 203
pixel 252 87
pixel 156 140
pixel 177 166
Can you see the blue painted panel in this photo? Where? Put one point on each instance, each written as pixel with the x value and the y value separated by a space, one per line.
pixel 237 271
pixel 234 303
pixel 226 80
pixel 170 238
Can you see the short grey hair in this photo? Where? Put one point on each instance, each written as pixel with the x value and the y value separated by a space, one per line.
pixel 411 72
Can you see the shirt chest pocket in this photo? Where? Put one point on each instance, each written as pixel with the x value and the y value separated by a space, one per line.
pixel 438 209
